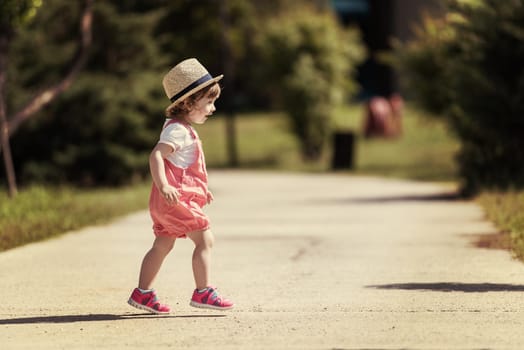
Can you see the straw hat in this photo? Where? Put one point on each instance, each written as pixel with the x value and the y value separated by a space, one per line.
pixel 186 78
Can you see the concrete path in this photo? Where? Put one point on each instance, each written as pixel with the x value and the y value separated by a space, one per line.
pixel 312 261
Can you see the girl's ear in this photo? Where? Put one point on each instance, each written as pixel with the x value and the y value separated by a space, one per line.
pixel 185 104
pixel 190 102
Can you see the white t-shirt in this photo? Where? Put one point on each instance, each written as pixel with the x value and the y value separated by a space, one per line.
pixel 184 144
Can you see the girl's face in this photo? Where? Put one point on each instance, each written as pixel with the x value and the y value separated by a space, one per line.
pixel 202 110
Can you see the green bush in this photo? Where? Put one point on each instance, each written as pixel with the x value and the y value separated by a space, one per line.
pixel 422 63
pixel 311 60
pixel 468 66
pixel 101 130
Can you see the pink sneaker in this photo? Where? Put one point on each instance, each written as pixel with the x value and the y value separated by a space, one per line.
pixel 210 299
pixel 147 301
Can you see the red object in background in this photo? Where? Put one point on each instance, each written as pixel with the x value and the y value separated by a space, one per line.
pixel 384 117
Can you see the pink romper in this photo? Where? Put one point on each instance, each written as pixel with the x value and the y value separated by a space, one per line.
pixel 187 216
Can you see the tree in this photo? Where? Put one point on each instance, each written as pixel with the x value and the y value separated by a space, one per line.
pixel 100 131
pixel 311 59
pixel 13 14
pixel 219 37
pixel 474 58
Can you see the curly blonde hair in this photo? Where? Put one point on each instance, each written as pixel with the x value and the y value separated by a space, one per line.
pixel 185 106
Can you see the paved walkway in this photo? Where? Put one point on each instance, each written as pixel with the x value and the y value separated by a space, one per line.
pixel 312 261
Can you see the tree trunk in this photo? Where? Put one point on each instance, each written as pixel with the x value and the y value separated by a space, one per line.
pixel 228 64
pixel 9 125
pixel 43 98
pixel 4 126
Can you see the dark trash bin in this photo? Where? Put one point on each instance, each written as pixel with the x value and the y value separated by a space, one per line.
pixel 343 150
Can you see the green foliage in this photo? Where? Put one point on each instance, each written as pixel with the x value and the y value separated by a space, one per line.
pixel 14 13
pixel 311 60
pixel 474 58
pixel 39 213
pixel 100 131
pixel 427 56
pixel 109 147
pixel 219 34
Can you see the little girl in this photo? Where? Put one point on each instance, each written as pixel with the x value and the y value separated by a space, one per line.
pixel 180 188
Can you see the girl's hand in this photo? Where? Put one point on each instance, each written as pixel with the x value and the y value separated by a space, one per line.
pixel 210 197
pixel 170 194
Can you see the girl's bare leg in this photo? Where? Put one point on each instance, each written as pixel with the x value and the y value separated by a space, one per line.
pixel 153 260
pixel 202 257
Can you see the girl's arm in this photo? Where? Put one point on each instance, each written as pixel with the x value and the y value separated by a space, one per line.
pixel 157 168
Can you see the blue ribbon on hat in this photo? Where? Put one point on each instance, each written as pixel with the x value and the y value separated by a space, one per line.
pixel 191 86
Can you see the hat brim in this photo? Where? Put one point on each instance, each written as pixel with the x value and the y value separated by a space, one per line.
pixel 196 89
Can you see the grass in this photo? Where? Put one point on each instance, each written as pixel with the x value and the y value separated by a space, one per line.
pixel 506 210
pixel 424 152
pixel 263 141
pixel 39 213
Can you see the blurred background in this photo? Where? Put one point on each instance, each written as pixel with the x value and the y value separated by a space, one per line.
pixel 420 89
pixel 296 72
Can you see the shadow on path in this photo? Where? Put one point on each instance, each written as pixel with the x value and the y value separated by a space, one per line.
pixel 437 197
pixel 453 287
pixel 93 317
